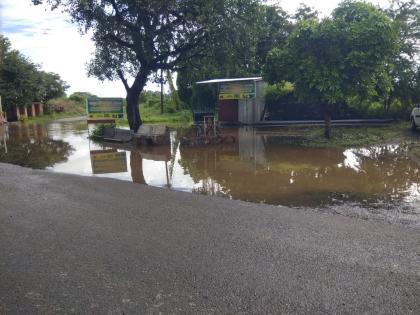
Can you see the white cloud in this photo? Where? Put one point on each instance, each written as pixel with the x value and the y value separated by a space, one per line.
pixel 50 40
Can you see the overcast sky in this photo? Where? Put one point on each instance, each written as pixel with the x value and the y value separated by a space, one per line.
pixel 51 41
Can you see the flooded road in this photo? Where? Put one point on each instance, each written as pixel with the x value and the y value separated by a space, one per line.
pixel 378 182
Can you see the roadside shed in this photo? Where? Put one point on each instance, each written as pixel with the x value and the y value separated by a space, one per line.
pixel 240 100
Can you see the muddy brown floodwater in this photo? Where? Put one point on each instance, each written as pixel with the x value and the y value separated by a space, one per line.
pixel 378 182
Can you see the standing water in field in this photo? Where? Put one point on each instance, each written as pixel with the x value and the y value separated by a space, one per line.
pixel 378 182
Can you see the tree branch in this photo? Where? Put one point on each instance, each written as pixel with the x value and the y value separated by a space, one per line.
pixel 123 79
pixel 118 40
pixel 119 17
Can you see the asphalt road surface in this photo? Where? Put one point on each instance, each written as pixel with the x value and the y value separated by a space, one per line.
pixel 84 245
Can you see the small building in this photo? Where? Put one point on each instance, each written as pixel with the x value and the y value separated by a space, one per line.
pixel 240 100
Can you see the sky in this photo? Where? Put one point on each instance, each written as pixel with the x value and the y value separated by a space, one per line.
pixel 49 39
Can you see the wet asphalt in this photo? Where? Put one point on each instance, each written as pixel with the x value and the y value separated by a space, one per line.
pixel 84 245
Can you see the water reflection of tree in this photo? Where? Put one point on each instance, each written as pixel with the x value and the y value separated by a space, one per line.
pixel 136 164
pixel 302 176
pixel 201 164
pixel 36 153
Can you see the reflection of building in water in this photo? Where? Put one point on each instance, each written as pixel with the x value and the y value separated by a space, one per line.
pixel 251 145
pixel 29 131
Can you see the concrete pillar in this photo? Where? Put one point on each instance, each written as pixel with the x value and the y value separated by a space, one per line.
pixel 17 112
pixel 41 109
pixel 25 111
pixel 32 110
pixel 29 111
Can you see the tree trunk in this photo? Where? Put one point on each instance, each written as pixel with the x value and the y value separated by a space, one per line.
pixel 136 164
pixel 133 113
pixel 327 132
pixel 133 97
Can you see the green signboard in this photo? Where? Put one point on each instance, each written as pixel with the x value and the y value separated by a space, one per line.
pixel 237 90
pixel 105 107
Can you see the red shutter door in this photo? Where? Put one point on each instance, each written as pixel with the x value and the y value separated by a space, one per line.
pixel 228 111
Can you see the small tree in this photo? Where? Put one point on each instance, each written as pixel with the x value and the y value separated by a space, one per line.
pixel 342 58
pixel 138 38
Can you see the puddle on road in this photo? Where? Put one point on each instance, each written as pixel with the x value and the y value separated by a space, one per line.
pixel 379 182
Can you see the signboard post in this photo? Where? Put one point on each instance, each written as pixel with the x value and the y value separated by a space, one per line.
pixel 100 110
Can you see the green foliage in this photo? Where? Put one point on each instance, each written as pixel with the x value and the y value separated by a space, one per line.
pixel 80 97
pixel 98 130
pixel 65 105
pixel 51 86
pixel 152 115
pixel 151 112
pixel 405 73
pixel 343 57
pixel 273 29
pixel 305 13
pixel 203 98
pixel 239 52
pixel 22 82
pixel 275 93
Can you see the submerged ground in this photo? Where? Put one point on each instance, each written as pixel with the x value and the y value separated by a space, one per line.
pixel 74 244
pixel 378 179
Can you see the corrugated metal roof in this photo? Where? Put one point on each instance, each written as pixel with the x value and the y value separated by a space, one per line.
pixel 230 80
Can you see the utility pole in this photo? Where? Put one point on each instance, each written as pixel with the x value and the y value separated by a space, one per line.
pixel 2 117
pixel 161 91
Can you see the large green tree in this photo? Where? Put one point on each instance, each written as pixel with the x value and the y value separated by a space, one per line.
pixel 18 76
pixel 406 71
pixel 344 58
pixel 22 82
pixel 136 39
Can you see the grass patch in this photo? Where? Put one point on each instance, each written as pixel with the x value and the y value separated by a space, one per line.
pixel 356 136
pixel 152 115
